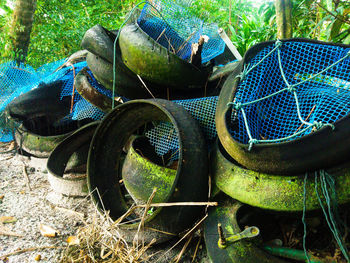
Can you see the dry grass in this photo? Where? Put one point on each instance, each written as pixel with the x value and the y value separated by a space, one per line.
pixel 99 240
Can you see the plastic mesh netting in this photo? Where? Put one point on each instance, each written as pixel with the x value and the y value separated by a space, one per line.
pixel 82 109
pixel 174 27
pixel 16 80
pixel 164 136
pixel 290 89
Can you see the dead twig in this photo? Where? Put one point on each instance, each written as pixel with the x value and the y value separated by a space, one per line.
pixel 70 212
pixel 7 232
pixel 28 250
pixel 160 35
pixel 308 116
pixel 180 204
pixel 26 177
pixel 141 225
pixel 185 42
pixel 334 15
pixel 174 51
pixel 73 91
pixel 144 84
pixel 178 257
pixel 186 235
pixel 196 250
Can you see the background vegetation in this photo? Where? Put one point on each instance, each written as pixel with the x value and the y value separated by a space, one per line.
pixel 59 26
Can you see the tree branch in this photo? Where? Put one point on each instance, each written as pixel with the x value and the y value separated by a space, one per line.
pixel 335 16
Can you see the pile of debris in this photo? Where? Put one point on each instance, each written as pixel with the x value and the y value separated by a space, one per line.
pixel 139 111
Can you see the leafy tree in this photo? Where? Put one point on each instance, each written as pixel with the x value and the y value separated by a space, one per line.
pixel 60 25
pixel 21 27
pixel 327 20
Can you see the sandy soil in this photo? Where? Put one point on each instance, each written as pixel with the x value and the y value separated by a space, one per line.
pixel 32 207
pixel 41 205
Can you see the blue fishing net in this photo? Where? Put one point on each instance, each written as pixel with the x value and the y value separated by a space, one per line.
pixel 290 89
pixel 82 109
pixel 14 81
pixel 164 136
pixel 173 25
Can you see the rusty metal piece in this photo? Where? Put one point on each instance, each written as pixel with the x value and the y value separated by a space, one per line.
pixel 104 163
pixel 249 232
pixel 246 250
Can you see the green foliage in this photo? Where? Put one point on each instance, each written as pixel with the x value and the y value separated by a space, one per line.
pixel 327 20
pixel 5 20
pixel 247 24
pixel 60 25
pixel 254 27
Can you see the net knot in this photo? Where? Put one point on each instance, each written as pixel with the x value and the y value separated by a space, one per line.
pixel 251 143
pixel 243 74
pixel 278 43
pixel 291 89
pixel 319 125
pixel 237 105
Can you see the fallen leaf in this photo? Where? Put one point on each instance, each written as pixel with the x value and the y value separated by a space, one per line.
pixel 37 257
pixel 2 197
pixel 11 146
pixel 7 219
pixel 73 240
pixel 48 231
pixel 7 232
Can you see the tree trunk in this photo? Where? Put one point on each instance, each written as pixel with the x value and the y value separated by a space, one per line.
pixel 20 29
pixel 284 19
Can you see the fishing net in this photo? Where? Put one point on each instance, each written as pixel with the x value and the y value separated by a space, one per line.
pixel 290 89
pixel 16 80
pixel 82 109
pixel 164 137
pixel 174 26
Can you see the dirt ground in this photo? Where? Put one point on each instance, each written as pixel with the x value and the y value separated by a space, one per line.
pixel 26 201
pixel 31 207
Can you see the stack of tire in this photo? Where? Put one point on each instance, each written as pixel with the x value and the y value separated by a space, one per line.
pixel 277 178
